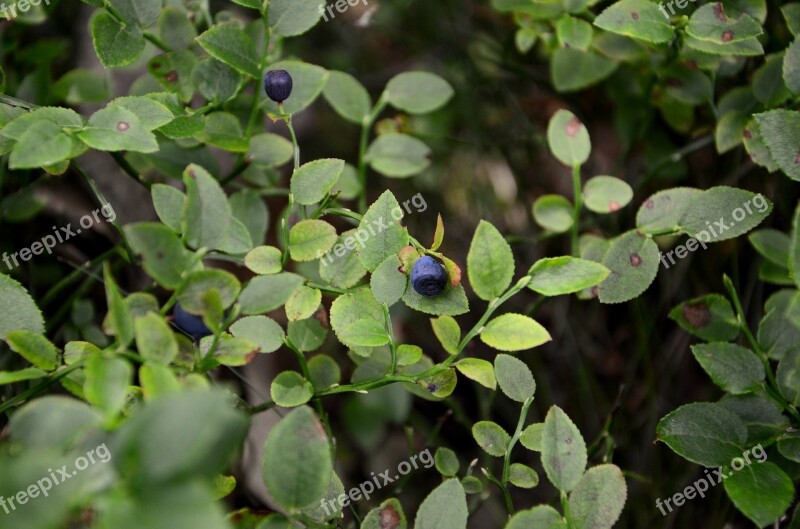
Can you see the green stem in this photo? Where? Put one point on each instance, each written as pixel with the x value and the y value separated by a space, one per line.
pixel 565 509
pixel 32 392
pixel 290 205
pixel 771 386
pixel 198 256
pixel 74 275
pixel 262 407
pixel 576 213
pixel 503 489
pixel 507 460
pixel 366 127
pixel 392 341
pixel 157 41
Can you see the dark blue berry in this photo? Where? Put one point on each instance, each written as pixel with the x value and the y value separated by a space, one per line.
pixel 189 323
pixel 278 85
pixel 428 276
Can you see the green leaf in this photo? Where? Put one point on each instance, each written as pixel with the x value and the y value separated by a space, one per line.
pixel 25 316
pixel 230 351
pixel 309 239
pixel 115 44
pixel 451 302
pixel 345 270
pixel 267 293
pixel 563 450
pixel 303 303
pixel 737 210
pixel 347 96
pixel 297 460
pixel 523 476
pixel 757 148
pixel 794 248
pixel 598 499
pixel 311 182
pixel 771 244
pixel 223 130
pixel 164 257
pixel 43 143
pixel 169 203
pixel 448 332
pixel 780 130
pixel 389 515
pixel 204 430
pixel 141 12
pixel 574 69
pixel 324 371
pixel 150 112
pixel 388 283
pixel 270 149
pixel 490 263
pixel 788 376
pixel 730 131
pixel 398 155
pixel 662 212
pixel 514 378
pixel 791 67
pixel 568 139
pixel 207 216
pixel 606 194
pixel 29 373
pixel 418 92
pixel 380 233
pixel 308 82
pixel 262 331
pixel 119 313
pixel 175 28
pixel 107 382
pixel 639 19
pixel 564 275
pixel 446 462
pixel 760 415
pixel 633 259
pixel 711 23
pixel 444 508
pixel 215 80
pixel 791 12
pixel 358 320
pixel 289 18
pixel 229 44
pixel 264 260
pixel 540 517
pixel 173 71
pixel 573 33
pixel 553 213
pixel 248 207
pixel 768 84
pixel 531 437
pixel 514 332
pixel 491 437
pixel 290 389
pixel 115 128
pixel 34 347
pixel 154 340
pixel 778 331
pixel 408 355
pixel 478 370
pixel 762 492
pixel 157 380
pixel 708 317
pixel 704 433
pixel 732 367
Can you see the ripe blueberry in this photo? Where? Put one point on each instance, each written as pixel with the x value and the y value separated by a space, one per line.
pixel 189 323
pixel 428 276
pixel 278 85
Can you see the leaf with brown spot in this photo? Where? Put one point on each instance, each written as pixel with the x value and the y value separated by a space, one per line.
pixel 389 515
pixel 709 317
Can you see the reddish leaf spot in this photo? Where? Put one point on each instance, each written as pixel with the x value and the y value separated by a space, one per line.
pixel 122 126
pixel 697 314
pixel 797 159
pixel 595 291
pixel 635 259
pixel 573 127
pixel 249 357
pixel 432 387
pixel 635 15
pixel 719 12
pixel 672 82
pixel 156 65
pixel 171 76
pixel 390 518
pixel 747 134
pixel 649 204
pixel 727 35
pixel 613 206
pixel 692 65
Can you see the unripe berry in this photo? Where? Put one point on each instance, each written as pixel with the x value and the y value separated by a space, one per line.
pixel 189 323
pixel 278 85
pixel 428 276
